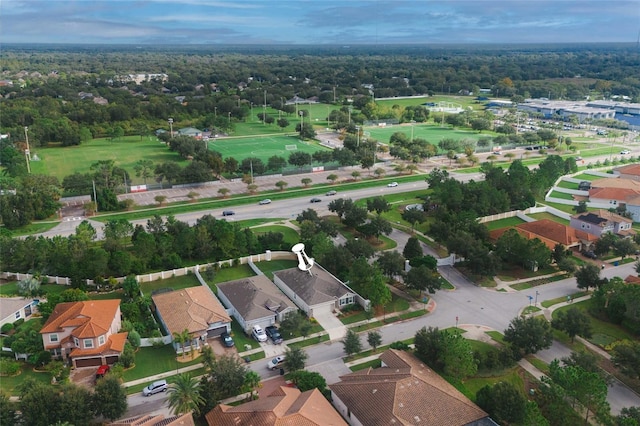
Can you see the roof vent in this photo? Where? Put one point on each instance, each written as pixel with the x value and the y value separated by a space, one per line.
pixel 374 391
pixel 417 419
pixel 401 405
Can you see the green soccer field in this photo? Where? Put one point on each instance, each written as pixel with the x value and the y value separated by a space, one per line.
pixel 262 147
pixel 432 133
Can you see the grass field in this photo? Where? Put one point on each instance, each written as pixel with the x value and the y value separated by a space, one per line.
pixel 63 161
pixel 503 223
pixel 262 147
pixel 430 132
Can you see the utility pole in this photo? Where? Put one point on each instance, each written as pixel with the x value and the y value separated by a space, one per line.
pixel 264 109
pixel 95 197
pixel 27 152
pixel 171 126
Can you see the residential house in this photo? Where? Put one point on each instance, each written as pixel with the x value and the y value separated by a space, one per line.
pixel 633 207
pixel 403 391
pixel 315 291
pixel 195 309
pixel 255 301
pixel 602 221
pixel 615 182
pixel 85 333
pixel 611 197
pixel 628 172
pixel 550 233
pixel 284 407
pixel 156 420
pixel 14 308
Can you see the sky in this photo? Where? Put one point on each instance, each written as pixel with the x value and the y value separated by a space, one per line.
pixel 313 22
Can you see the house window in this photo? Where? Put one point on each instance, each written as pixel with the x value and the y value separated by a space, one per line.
pixel 101 340
pixel 88 343
pixel 346 301
pixel 53 338
pixel 76 342
pixel 17 314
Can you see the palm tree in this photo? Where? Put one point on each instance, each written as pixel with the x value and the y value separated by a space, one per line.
pixel 182 338
pixel 184 395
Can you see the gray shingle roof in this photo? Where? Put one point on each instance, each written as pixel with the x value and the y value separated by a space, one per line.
pixel 315 288
pixel 255 297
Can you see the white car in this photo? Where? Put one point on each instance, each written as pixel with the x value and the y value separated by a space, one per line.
pixel 265 201
pixel 625 151
pixel 275 362
pixel 259 334
pixel 392 184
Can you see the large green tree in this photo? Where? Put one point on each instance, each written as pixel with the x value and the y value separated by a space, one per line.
pixel 528 335
pixel 573 322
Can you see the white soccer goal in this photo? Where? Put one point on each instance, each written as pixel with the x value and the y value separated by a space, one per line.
pixel 291 147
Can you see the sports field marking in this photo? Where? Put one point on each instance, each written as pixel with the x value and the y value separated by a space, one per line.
pixel 291 147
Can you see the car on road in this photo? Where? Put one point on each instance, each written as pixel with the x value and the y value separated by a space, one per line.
pixel 155 387
pixel 265 201
pixel 316 200
pixel 625 151
pixel 275 362
pixel 227 340
pixel 228 213
pixel 392 184
pixel 330 193
pixel 259 334
pixel 274 334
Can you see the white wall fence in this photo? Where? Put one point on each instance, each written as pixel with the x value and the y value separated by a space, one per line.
pixel 269 255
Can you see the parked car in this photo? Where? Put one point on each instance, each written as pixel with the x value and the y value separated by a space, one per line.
pixel 155 387
pixel 265 201
pixel 274 334
pixel 228 213
pixel 330 193
pixel 275 362
pixel 625 152
pixel 227 340
pixel 392 184
pixel 316 200
pixel 590 254
pixel 259 334
pixel 102 370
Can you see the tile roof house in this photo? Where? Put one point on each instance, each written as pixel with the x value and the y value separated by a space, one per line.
pixel 550 233
pixel 195 309
pixel 403 391
pixel 86 333
pixel 315 291
pixel 156 420
pixel 14 308
pixel 632 206
pixel 611 197
pixel 284 407
pixel 255 301
pixel 628 172
pixel 600 222
pixel 614 182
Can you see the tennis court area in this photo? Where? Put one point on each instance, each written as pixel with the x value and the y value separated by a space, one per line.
pixel 262 147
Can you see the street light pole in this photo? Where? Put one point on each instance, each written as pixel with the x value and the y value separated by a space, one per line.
pixel 537 293
pixel 357 136
pixel 171 126
pixel 27 152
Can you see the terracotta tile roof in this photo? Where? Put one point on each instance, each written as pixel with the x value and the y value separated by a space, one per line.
pixel 255 297
pixel 113 345
pixel 315 288
pixel 629 169
pixel 156 420
pixel 619 194
pixel 615 183
pixel 90 318
pixel 547 231
pixel 405 392
pixel 632 279
pixel 284 407
pixel 192 308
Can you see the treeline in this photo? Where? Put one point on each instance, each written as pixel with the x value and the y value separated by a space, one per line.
pixel 455 207
pixel 160 245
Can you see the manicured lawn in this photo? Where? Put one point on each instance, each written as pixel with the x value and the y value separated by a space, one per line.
pixel 561 195
pixel 240 338
pixel 496 335
pixel 11 288
pixel 604 333
pixel 562 207
pixel 151 360
pixel 290 235
pixel 32 228
pixel 374 363
pixel 474 384
pixel 275 265
pixel 546 215
pixel 118 294
pixel 431 132
pixel 233 273
pixel 567 185
pixel 503 223
pixel 175 283
pixel 8 384
pixel 551 302
pixel 310 341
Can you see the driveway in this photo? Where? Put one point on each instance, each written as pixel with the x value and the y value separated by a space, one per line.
pixel 332 325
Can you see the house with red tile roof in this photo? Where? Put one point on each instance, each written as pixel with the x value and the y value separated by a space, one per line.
pixel 156 420
pixel 629 172
pixel 403 391
pixel 611 197
pixel 615 182
pixel 284 407
pixel 550 233
pixel 195 309
pixel 600 222
pixel 85 333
